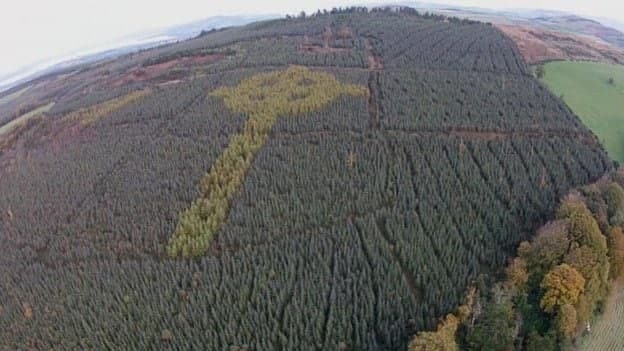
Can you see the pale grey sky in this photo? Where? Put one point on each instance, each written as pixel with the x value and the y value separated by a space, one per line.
pixel 36 30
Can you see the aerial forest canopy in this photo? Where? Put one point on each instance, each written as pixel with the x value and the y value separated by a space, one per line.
pixel 333 182
pixel 264 97
pixel 555 286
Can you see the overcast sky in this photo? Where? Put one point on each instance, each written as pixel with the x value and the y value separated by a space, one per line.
pixel 36 30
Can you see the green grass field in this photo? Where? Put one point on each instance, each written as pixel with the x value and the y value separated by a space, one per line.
pixel 608 332
pixel 586 89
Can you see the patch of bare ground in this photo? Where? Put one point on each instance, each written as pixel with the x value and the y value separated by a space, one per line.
pixel 158 70
pixel 540 45
pixel 374 61
pixel 328 38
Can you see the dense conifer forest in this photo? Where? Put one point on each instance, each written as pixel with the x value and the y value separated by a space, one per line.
pixel 337 181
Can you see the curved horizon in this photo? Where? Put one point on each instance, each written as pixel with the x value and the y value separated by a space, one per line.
pixel 44 42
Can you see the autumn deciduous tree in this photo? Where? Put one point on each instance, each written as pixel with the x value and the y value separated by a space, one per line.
pixel 537 342
pixel 593 265
pixel 494 330
pixel 588 255
pixel 466 310
pixel 570 261
pixel 443 339
pixel 618 176
pixel 584 309
pixel 547 249
pixel 569 205
pixel 616 252
pixel 566 321
pixel 594 199
pixel 562 285
pixel 583 228
pixel 517 275
pixel 614 197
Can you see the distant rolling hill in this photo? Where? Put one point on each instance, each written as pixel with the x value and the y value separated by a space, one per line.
pixel 585 26
pixel 539 45
pixel 125 45
pixel 580 38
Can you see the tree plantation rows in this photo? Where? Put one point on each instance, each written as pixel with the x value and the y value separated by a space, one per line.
pixel 263 97
pixel 437 100
pixel 400 38
pixel 352 203
pixel 440 45
pixel 554 288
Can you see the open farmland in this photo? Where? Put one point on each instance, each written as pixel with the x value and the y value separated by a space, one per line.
pixel 586 88
pixel 408 155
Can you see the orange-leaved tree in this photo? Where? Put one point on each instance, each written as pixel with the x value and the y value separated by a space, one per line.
pixel 443 339
pixel 562 286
